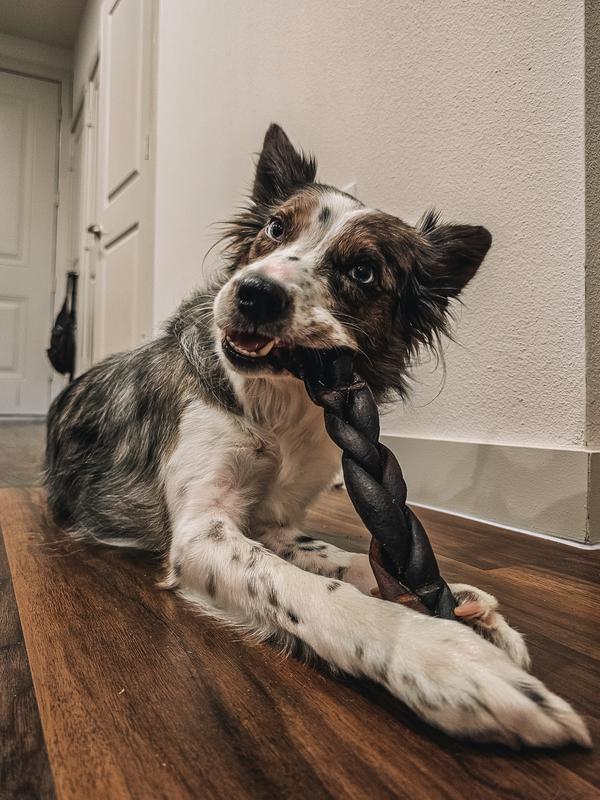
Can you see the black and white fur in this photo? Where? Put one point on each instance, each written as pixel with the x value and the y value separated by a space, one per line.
pixel 201 446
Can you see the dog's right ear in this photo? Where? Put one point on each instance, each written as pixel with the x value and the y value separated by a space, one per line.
pixel 281 169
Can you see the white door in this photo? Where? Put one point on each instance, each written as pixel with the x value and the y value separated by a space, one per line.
pixel 83 241
pixel 29 111
pixel 124 274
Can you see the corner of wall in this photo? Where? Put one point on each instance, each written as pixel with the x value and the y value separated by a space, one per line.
pixel 592 221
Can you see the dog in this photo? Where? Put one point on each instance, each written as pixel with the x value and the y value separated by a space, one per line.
pixel 201 445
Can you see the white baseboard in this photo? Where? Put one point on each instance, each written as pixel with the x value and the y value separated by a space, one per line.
pixel 512 528
pixel 544 491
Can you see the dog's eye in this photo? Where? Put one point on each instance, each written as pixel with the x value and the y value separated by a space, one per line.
pixel 275 229
pixel 363 273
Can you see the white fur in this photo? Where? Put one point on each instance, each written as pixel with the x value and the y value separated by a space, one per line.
pixel 311 312
pixel 237 487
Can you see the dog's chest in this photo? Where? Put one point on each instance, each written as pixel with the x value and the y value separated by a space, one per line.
pixel 303 458
pixel 263 469
pixel 306 454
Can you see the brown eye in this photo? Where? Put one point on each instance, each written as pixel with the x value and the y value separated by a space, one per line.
pixel 275 229
pixel 363 273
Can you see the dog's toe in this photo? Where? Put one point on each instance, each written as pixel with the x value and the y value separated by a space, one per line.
pixel 479 610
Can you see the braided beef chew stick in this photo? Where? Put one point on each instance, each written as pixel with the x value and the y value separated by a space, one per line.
pixel 401 555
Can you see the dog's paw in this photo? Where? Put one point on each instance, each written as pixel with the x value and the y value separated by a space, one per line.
pixel 480 611
pixel 468 688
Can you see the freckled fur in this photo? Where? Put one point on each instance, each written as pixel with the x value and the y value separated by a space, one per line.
pixel 170 448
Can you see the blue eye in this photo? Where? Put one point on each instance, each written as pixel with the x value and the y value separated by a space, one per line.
pixel 363 273
pixel 275 229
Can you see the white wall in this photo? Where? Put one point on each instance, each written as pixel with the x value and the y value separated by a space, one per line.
pixel 475 107
pixel 87 47
pixel 17 51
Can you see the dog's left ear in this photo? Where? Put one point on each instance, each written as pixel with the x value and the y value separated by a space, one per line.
pixel 446 259
pixel 281 169
pixel 456 252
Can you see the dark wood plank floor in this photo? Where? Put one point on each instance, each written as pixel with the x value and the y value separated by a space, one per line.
pixel 140 697
pixel 24 765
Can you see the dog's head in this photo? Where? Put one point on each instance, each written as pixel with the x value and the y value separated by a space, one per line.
pixel 313 267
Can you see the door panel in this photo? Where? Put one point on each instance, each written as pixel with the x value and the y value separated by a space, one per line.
pixel 119 290
pixel 124 40
pixel 125 205
pixel 16 155
pixel 28 177
pixel 12 334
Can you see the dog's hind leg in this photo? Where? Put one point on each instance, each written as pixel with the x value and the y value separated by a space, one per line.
pixel 480 610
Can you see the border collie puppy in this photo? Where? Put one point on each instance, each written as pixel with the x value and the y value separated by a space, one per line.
pixel 200 445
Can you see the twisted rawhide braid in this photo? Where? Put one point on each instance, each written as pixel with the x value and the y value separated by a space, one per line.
pixel 400 554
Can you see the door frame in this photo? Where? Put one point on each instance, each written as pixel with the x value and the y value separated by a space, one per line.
pixel 92 71
pixel 144 312
pixel 84 263
pixel 43 62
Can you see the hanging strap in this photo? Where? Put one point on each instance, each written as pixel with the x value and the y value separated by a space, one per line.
pixel 72 277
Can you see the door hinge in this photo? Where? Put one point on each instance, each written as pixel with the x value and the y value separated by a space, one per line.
pixel 57 200
pixel 147 147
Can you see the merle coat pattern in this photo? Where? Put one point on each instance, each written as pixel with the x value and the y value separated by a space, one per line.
pixel 199 445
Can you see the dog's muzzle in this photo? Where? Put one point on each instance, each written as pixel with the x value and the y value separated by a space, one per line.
pixel 261 300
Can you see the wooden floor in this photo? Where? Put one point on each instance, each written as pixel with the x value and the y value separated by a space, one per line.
pixel 140 697
pixel 21 452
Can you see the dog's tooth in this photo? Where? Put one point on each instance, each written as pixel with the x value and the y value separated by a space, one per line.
pixel 264 351
pixel 253 354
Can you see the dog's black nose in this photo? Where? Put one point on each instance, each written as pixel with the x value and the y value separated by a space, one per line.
pixel 260 299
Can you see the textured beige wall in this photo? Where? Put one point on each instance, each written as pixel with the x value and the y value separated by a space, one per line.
pixel 475 107
pixel 592 224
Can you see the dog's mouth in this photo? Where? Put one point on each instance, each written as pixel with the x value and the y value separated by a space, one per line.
pixel 253 351
pixel 249 345
pixel 256 353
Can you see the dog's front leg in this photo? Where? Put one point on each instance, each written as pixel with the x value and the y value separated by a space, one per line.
pixel 319 557
pixel 446 673
pixel 476 607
